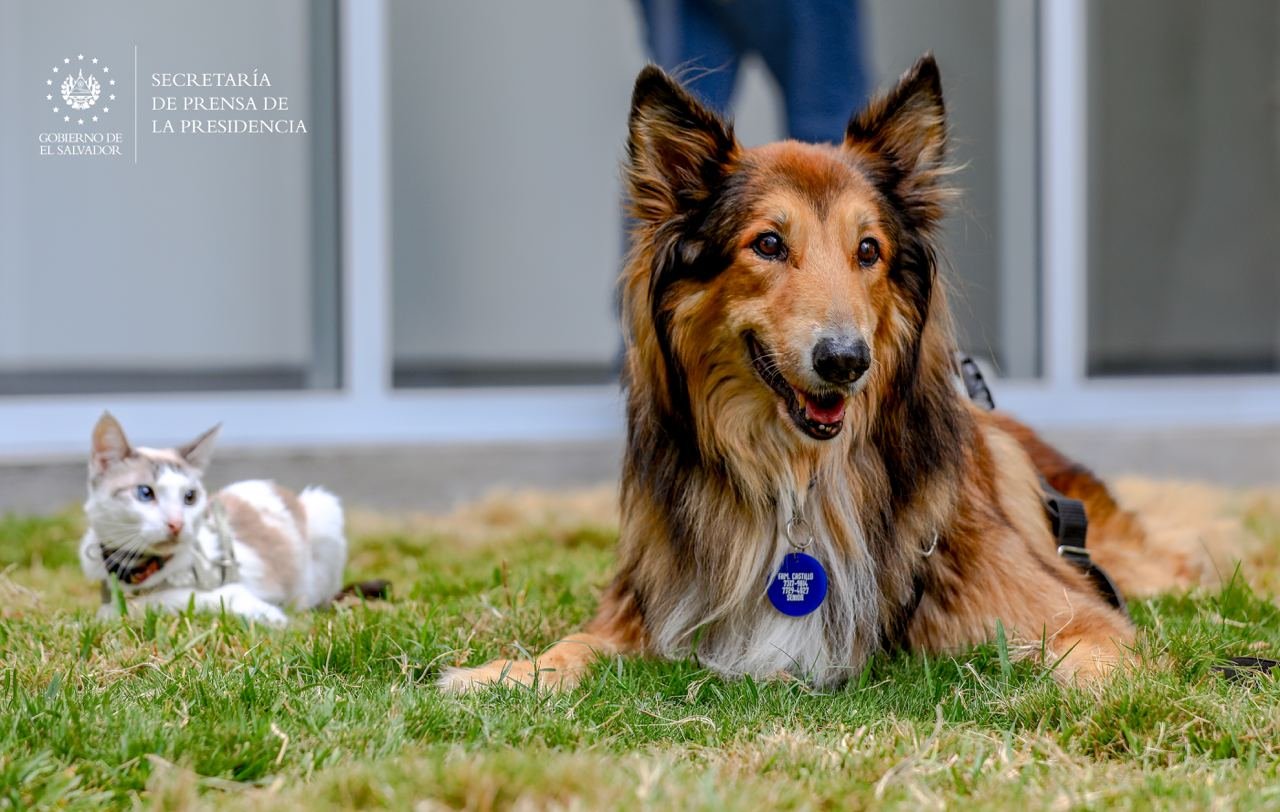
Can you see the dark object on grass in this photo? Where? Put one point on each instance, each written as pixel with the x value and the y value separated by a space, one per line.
pixel 1241 667
pixel 375 590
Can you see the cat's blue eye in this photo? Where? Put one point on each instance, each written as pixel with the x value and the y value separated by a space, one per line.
pixel 189 497
pixel 145 494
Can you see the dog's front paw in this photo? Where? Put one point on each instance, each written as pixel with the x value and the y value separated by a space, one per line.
pixel 461 680
pixel 505 672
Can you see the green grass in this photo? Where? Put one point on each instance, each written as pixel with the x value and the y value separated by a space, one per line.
pixel 339 709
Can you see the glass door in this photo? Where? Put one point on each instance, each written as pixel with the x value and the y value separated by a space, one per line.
pixel 1184 187
pixel 165 224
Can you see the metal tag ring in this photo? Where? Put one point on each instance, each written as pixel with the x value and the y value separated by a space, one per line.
pixel 797 527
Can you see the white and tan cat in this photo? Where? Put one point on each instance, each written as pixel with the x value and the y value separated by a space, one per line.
pixel 252 548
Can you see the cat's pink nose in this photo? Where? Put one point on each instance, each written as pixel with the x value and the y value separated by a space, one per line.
pixel 175 526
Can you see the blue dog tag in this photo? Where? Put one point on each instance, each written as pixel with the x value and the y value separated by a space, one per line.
pixel 799 586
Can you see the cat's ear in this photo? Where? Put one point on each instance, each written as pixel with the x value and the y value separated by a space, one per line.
pixel 199 451
pixel 110 446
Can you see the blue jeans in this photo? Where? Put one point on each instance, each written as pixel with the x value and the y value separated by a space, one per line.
pixel 812 47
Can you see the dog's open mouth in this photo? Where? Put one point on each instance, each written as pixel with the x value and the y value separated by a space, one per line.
pixel 818 414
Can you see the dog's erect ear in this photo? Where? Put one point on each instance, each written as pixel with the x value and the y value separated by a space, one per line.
pixel 199 451
pixel 109 445
pixel 678 148
pixel 907 129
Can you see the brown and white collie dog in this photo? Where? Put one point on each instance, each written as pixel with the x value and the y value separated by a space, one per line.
pixel 792 385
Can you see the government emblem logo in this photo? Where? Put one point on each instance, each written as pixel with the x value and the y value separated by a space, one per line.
pixel 79 93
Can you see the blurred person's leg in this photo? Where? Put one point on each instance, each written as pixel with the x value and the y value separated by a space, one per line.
pixel 688 37
pixel 813 48
pixel 823 74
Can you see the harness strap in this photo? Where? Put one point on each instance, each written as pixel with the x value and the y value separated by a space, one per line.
pixel 975 384
pixel 1067 516
pixel 228 567
pixel 1068 519
pixel 1070 525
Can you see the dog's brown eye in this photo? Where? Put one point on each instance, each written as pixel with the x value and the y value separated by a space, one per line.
pixel 769 245
pixel 868 252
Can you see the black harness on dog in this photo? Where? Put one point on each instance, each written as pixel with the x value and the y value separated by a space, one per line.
pixel 1070 526
pixel 1067 517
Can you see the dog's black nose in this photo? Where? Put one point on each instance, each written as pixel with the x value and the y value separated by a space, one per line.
pixel 841 361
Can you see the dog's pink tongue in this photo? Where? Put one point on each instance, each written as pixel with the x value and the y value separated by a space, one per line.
pixel 822 413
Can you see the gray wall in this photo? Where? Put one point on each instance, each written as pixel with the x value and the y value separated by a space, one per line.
pixel 508 126
pixel 201 255
pixel 507 123
pixel 1185 186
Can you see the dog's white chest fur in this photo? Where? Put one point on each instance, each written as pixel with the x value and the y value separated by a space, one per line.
pixel 826 646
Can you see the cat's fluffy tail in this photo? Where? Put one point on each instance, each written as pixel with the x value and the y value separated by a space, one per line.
pixel 326 532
